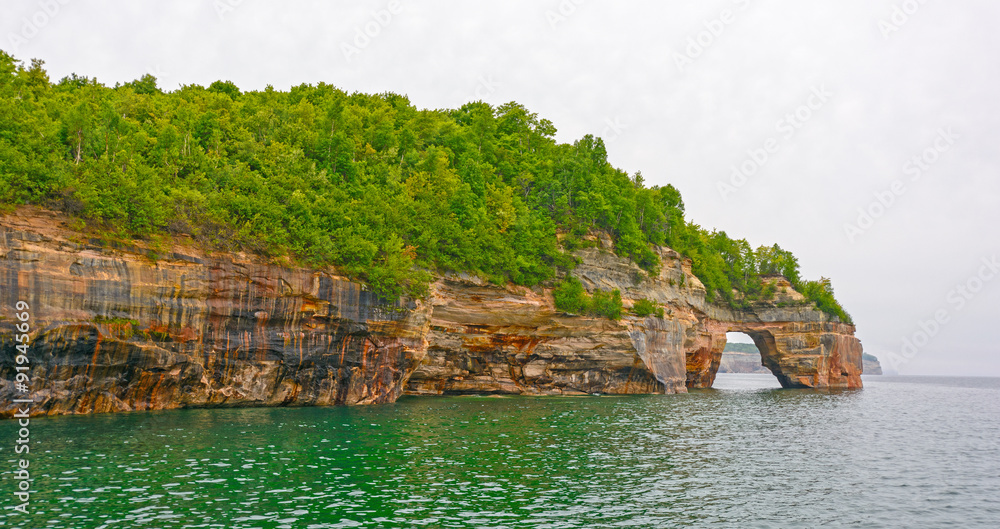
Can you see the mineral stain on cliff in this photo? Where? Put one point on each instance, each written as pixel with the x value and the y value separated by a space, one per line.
pixel 117 328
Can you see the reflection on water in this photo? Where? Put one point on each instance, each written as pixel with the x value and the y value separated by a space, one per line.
pixel 899 453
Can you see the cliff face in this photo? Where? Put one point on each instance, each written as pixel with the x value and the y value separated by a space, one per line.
pixel 871 365
pixel 114 330
pixel 485 339
pixel 741 363
pixel 118 329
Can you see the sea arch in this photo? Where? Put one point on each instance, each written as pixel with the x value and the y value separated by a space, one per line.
pixel 800 354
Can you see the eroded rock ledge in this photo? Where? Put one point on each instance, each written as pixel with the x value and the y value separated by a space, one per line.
pixel 119 329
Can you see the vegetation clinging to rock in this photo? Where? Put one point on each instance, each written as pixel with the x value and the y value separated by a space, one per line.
pixel 571 297
pixel 644 307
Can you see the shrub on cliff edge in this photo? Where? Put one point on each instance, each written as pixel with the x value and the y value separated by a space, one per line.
pixel 607 304
pixel 571 297
pixel 644 307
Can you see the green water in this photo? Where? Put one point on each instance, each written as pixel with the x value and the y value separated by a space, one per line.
pixel 904 452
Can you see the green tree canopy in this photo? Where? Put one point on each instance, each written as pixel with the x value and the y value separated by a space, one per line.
pixel 365 182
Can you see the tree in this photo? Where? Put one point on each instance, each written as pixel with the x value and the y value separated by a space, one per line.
pixel 145 85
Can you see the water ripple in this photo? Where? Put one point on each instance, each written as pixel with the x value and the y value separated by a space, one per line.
pixel 903 452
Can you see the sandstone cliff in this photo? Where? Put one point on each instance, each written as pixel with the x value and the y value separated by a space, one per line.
pixel 733 362
pixel 122 328
pixel 871 364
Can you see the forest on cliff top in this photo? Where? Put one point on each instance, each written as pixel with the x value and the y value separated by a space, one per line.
pixel 367 183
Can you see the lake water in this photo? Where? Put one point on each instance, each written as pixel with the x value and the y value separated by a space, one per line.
pixel 903 452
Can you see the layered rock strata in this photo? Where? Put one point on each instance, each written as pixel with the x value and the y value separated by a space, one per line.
pixel 118 329
pixel 121 328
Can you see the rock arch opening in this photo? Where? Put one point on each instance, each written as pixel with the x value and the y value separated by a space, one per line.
pixel 703 365
pixel 741 355
pixel 800 354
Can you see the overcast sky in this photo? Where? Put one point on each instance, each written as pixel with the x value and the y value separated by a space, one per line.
pixel 820 106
